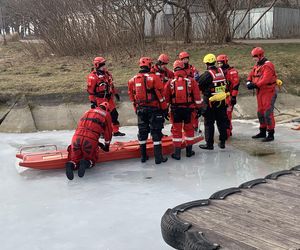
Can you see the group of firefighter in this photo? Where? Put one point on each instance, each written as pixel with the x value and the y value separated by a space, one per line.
pixel 181 96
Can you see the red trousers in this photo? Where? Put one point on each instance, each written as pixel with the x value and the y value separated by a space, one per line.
pixel 229 116
pixel 265 106
pixel 181 119
pixel 83 148
pixel 195 120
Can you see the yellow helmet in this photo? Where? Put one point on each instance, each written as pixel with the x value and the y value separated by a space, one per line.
pixel 210 58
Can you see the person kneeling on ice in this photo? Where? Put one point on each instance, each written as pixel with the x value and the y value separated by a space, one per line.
pixel 83 151
pixel 145 90
pixel 183 94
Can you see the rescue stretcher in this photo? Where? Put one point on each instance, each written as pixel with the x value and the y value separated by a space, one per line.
pixel 53 158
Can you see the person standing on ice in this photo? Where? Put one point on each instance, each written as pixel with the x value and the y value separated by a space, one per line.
pixel 101 88
pixel 263 78
pixel 84 148
pixel 191 72
pixel 212 83
pixel 160 68
pixel 183 95
pixel 145 91
pixel 233 83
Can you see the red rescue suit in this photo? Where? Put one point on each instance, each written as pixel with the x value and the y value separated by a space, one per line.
pixel 183 94
pixel 164 73
pixel 264 76
pixel 145 91
pixel 192 72
pixel 101 88
pixel 93 124
pixel 233 83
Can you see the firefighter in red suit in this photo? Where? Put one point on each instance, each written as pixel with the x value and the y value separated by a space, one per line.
pixel 192 72
pixel 263 78
pixel 145 91
pixel 213 82
pixel 183 95
pixel 83 151
pixel 101 88
pixel 160 68
pixel 233 83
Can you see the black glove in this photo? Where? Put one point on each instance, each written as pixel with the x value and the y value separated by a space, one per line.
pixel 250 85
pixel 93 105
pixel 117 97
pixel 104 147
pixel 233 100
pixel 199 113
pixel 166 114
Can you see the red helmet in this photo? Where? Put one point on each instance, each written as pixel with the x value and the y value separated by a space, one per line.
pixel 163 58
pixel 105 106
pixel 258 52
pixel 178 64
pixel 183 55
pixel 222 58
pixel 145 61
pixel 99 60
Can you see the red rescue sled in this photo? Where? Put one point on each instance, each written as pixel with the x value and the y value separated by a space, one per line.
pixel 56 158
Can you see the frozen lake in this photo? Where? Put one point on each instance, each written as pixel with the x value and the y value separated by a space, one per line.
pixel 119 205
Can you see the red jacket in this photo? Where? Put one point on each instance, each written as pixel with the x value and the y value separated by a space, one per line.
pixel 100 87
pixel 190 90
pixel 191 71
pixel 264 75
pixel 152 88
pixel 164 73
pixel 233 80
pixel 94 123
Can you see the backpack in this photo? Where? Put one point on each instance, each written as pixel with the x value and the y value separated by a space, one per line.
pixel 144 88
pixel 181 91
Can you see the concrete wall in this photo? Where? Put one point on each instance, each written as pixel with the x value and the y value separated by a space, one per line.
pixel 25 117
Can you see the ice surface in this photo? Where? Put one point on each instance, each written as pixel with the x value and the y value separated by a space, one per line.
pixel 119 205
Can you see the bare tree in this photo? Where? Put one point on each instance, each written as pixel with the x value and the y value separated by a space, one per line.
pixel 265 12
pixel 154 8
pixel 185 6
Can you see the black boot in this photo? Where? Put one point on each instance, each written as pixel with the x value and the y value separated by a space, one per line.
pixel 261 134
pixel 221 144
pixel 83 165
pixel 270 136
pixel 144 156
pixel 177 154
pixel 118 134
pixel 69 170
pixel 159 158
pixel 189 151
pixel 207 146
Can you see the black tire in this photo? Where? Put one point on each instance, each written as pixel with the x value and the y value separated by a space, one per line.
pixel 197 241
pixel 173 230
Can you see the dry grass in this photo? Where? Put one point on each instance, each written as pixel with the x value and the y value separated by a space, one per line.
pixel 20 72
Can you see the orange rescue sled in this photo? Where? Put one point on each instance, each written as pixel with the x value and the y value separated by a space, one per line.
pixel 56 158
